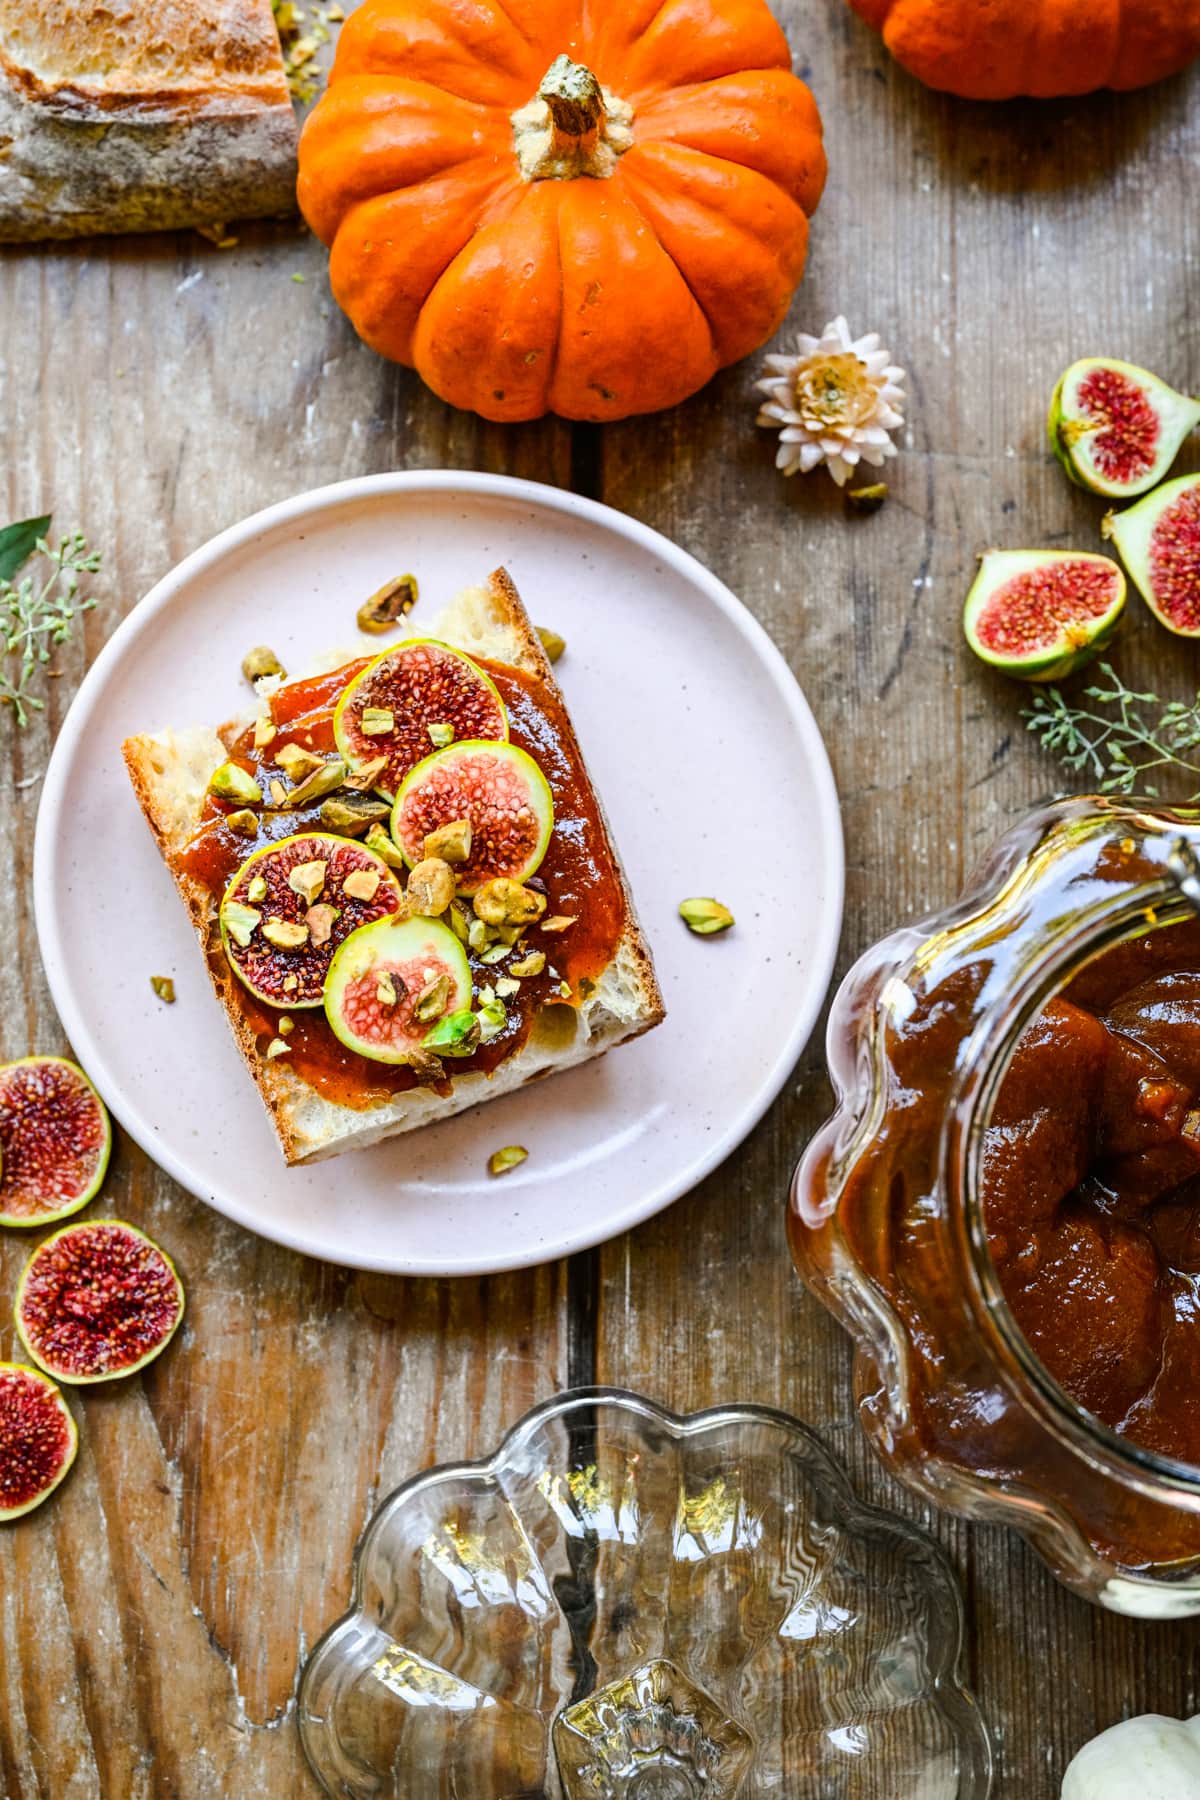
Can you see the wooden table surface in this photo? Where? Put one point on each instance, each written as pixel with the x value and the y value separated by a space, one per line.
pixel 153 1617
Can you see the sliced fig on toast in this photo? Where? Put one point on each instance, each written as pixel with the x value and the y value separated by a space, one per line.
pixel 96 1301
pixel 1116 428
pixel 292 903
pixel 419 696
pixel 55 1140
pixel 38 1439
pixel 498 789
pixel 391 983
pixel 1159 542
pixel 1040 614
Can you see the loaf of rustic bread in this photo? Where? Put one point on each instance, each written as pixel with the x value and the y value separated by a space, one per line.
pixel 170 771
pixel 141 115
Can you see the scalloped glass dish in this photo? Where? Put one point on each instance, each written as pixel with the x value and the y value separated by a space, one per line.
pixel 624 1603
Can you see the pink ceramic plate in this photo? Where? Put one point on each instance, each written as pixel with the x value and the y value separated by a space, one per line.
pixel 700 743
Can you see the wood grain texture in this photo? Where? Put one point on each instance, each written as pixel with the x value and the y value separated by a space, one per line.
pixel 153 1616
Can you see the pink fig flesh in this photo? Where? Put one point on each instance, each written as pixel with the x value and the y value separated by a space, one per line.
pixel 38 1439
pixel 1175 562
pixel 55 1140
pixel 1125 447
pixel 96 1301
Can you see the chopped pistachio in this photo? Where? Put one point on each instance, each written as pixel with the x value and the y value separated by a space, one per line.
pixel 307 879
pixel 286 1025
pixel 492 1020
pixel 351 819
pixel 377 721
pixel 239 921
pixel 320 921
pixel 455 1035
pixel 231 782
pixel 506 934
pixel 290 983
pixel 362 884
pixel 264 732
pixel 164 987
pixel 533 964
pixel 440 735
pixel 477 935
pixel 365 775
pixel 501 1162
pixel 285 934
pixel 385 989
pixel 705 916
pixel 867 499
pixel 277 792
pixel 432 1000
pixel 559 922
pixel 378 840
pixel 487 996
pixel 496 954
pixel 277 1047
pixel 322 781
pixel 430 888
pixel 564 988
pixel 451 843
pixel 396 598
pixel 257 889
pixel 460 925
pixel 552 644
pixel 297 762
pixel 261 661
pixel 504 902
pixel 506 986
pixel 244 822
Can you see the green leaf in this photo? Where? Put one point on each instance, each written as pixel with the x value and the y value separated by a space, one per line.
pixel 18 542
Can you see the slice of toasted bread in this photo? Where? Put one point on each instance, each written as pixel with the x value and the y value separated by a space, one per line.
pixel 170 771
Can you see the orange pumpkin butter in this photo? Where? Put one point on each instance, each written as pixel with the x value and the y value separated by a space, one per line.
pixel 578 206
pixel 998 49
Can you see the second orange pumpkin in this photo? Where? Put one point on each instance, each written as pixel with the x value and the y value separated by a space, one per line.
pixel 578 206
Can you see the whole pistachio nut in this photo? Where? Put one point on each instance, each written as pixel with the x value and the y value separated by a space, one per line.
pixel 393 601
pixel 501 1162
pixel 430 888
pixel 378 840
pixel 261 661
pixel 322 781
pixel 705 916
pixel 243 821
pixel 297 762
pixel 231 782
pixel 455 1035
pixel 350 818
pixel 552 644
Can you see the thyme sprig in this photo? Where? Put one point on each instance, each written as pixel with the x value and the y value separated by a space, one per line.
pixel 37 613
pixel 1120 747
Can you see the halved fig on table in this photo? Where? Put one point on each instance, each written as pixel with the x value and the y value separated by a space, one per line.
pixel 502 794
pixel 38 1439
pixel 96 1301
pixel 1040 614
pixel 55 1140
pixel 292 903
pixel 418 697
pixel 1116 428
pixel 1159 542
pixel 392 983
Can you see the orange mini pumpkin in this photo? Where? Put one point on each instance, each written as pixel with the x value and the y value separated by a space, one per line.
pixel 999 49
pixel 578 206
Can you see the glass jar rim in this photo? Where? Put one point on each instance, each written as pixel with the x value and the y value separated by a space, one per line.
pixel 981 1070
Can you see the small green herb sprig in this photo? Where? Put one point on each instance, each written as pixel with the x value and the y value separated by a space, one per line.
pixel 38 611
pixel 1121 746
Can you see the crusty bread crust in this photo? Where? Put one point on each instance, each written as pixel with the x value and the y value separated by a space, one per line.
pixel 169 772
pixel 141 115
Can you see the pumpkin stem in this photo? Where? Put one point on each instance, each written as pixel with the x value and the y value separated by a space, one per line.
pixel 573 95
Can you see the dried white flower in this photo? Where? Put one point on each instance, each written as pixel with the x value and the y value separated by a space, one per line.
pixel 834 402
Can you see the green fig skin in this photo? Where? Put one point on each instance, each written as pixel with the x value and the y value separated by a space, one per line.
pixel 1132 530
pixel 1177 416
pixel 1076 644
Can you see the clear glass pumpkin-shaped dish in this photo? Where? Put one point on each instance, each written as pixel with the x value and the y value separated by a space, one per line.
pixel 895 1220
pixel 621 1604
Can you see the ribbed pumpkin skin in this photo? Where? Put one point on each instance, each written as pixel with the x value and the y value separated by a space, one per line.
pixel 592 298
pixel 1000 49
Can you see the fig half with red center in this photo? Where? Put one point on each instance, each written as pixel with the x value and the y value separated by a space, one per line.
pixel 499 789
pixel 38 1439
pixel 1116 428
pixel 416 698
pixel 1159 541
pixel 96 1301
pixel 55 1140
pixel 391 983
pixel 292 903
pixel 1039 614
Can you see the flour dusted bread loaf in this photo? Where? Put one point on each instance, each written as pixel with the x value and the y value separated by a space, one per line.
pixel 141 115
pixel 170 772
